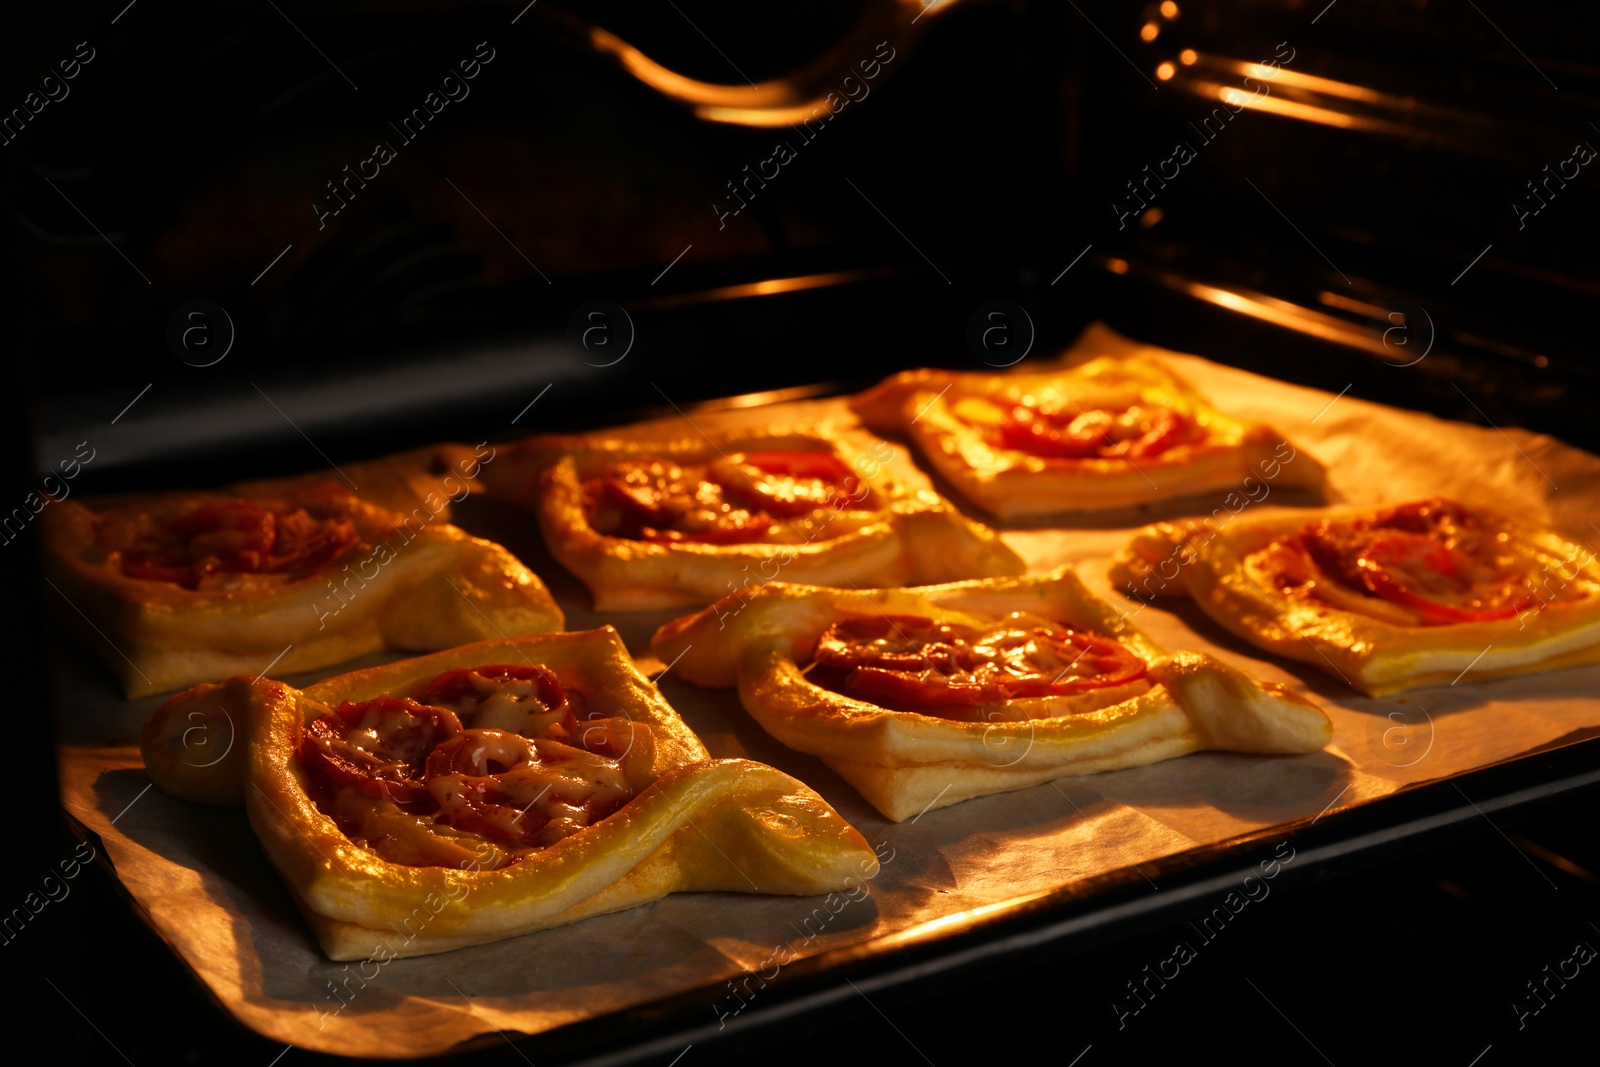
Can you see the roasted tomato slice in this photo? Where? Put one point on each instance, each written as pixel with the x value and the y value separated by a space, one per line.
pixel 891 642
pixel 1136 432
pixel 1434 557
pixel 738 528
pixel 305 543
pixel 149 568
pixel 1027 430
pixel 660 501
pixel 528 699
pixel 532 766
pixel 642 494
pixel 380 747
pixel 464 689
pixel 915 664
pixel 230 537
pixel 1168 429
pixel 611 736
pixel 734 500
pixel 824 466
pixel 479 753
pixel 521 792
pixel 466 779
pixel 788 485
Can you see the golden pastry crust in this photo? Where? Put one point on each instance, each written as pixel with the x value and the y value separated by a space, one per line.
pixel 421 483
pixel 1372 644
pixel 895 535
pixel 907 762
pixel 955 419
pixel 693 823
pixel 409 582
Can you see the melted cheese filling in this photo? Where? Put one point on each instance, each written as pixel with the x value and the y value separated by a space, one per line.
pixel 506 784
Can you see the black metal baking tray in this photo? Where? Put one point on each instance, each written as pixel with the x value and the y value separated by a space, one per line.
pixel 1095 930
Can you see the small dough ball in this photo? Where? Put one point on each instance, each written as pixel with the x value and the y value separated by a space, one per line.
pixel 194 744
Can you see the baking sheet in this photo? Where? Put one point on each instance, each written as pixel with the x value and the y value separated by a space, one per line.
pixel 203 883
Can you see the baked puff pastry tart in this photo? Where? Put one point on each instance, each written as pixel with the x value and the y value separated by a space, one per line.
pixel 924 697
pixel 189 587
pixel 680 522
pixel 489 791
pixel 1387 598
pixel 1114 432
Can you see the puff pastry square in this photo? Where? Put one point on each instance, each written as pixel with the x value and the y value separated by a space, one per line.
pixel 1113 432
pixel 924 697
pixel 675 522
pixel 1385 598
pixel 489 791
pixel 191 587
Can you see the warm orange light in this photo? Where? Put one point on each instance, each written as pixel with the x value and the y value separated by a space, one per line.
pixel 1292 316
pixel 1280 91
pixel 1166 71
pixel 1151 217
pixel 1148 31
pixel 1188 56
pixel 1169 9
pixel 762 288
pixel 653 74
pixel 771 104
pixel 770 119
pixel 1117 266
pixel 1312 83
pixel 1264 100
pixel 771 396
pixel 1345 303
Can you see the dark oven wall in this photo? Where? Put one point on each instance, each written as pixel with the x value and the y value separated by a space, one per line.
pixel 399 213
pixel 1398 197
pixel 404 215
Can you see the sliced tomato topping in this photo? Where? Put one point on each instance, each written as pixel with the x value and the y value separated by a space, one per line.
pixel 907 663
pixel 738 528
pixel 1436 558
pixel 150 570
pixel 611 736
pixel 824 466
pixel 791 484
pixel 561 767
pixel 474 685
pixel 1135 432
pixel 892 642
pixel 231 537
pixel 379 747
pixel 466 778
pixel 1167 430
pixel 1025 430
pixel 479 804
pixel 523 793
pixel 738 499
pixel 479 753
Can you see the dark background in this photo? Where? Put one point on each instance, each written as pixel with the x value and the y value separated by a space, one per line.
pixel 1359 229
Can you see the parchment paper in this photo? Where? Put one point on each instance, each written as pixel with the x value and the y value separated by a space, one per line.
pixel 203 883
